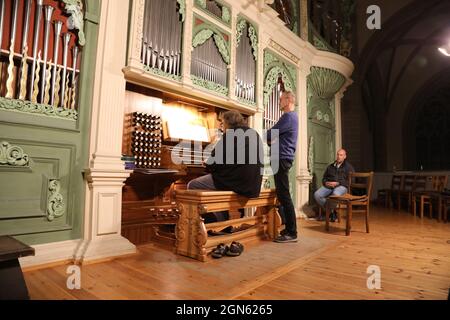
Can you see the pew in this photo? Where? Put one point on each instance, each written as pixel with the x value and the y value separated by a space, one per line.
pixel 193 238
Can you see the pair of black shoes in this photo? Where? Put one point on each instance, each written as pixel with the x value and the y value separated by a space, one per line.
pixel 333 217
pixel 235 249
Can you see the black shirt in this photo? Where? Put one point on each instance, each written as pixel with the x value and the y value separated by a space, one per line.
pixel 241 170
pixel 338 174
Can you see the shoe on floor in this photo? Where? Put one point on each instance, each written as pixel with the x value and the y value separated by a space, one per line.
pixel 235 249
pixel 286 239
pixel 219 251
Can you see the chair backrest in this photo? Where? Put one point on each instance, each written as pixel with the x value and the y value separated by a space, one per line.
pixel 361 181
pixel 397 182
pixel 408 183
pixel 439 183
pixel 420 183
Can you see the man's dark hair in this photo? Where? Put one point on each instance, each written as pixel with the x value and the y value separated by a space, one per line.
pixel 233 119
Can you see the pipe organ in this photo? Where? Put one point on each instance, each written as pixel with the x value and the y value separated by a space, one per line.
pixel 327 20
pixel 272 111
pixel 162 36
pixel 245 64
pixel 213 7
pixel 40 55
pixel 189 119
pixel 208 64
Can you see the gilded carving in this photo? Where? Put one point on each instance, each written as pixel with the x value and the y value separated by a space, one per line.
pixel 182 9
pixel 76 20
pixel 55 203
pixel 325 83
pixel 204 34
pixel 182 224
pixel 37 108
pixel 311 155
pixel 209 85
pixel 226 15
pixel 253 35
pixel 12 155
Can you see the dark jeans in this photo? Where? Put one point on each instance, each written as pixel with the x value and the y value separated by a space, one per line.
pixel 284 196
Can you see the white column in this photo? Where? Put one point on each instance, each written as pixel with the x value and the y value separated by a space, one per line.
pixel 264 39
pixel 338 119
pixel 338 113
pixel 187 43
pixel 136 33
pixel 304 177
pixel 106 175
pixel 232 66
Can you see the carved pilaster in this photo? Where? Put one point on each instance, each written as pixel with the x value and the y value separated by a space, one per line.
pixel 263 43
pixel 187 43
pixel 304 19
pixel 232 66
pixel 304 178
pixel 191 232
pixel 338 113
pixel 136 27
pixel 55 203
pixel 106 175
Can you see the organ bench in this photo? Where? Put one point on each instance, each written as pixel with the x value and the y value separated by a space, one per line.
pixel 192 237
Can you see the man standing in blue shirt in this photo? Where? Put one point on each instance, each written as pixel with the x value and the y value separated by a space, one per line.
pixel 287 128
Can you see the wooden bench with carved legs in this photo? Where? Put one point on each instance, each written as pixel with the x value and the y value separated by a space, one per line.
pixel 192 237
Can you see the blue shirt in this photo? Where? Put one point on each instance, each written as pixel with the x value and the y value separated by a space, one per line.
pixel 287 128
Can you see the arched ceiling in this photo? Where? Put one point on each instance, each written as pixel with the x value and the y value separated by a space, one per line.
pixel 399 59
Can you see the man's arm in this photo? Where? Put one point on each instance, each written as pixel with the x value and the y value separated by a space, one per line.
pixel 282 126
pixel 326 177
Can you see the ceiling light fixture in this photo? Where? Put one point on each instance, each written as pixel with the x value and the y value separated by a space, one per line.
pixel 445 50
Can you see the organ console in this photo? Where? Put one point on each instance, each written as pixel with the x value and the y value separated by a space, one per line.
pixel 165 141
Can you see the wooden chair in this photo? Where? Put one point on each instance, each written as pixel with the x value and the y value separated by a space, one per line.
pixel 419 187
pixel 386 194
pixel 427 197
pixel 406 191
pixel 353 203
pixel 444 205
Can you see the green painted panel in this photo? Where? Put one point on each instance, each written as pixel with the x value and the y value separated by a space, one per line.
pixel 58 151
pixel 323 151
pixel 25 194
pixel 322 86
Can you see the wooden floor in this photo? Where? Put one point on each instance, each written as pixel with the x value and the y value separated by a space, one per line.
pixel 413 255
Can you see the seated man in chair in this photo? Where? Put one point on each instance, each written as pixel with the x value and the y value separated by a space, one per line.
pixel 335 182
pixel 236 163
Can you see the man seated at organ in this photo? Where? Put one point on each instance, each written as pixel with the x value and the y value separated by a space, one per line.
pixel 236 162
